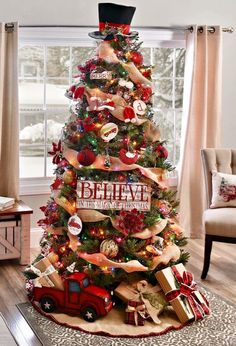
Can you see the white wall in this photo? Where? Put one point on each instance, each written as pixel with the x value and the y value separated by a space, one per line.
pixel 151 12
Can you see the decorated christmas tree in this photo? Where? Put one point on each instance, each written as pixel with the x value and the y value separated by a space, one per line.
pixel 111 218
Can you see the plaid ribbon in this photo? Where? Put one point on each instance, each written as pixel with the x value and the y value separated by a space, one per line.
pixel 187 288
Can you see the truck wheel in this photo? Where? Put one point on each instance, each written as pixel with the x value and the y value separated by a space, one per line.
pixel 47 304
pixel 89 314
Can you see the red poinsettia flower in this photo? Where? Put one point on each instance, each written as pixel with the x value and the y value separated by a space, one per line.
pixel 55 185
pixel 56 152
pixel 131 221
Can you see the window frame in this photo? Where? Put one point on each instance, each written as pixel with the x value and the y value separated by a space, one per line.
pixel 78 36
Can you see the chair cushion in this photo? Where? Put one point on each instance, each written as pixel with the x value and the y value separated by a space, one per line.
pixel 220 221
pixel 223 190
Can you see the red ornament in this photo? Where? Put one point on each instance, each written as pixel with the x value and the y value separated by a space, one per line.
pixel 131 221
pixel 88 124
pixel 127 157
pixel 56 184
pixel 146 93
pixel 161 151
pixel 86 157
pixel 129 115
pixel 146 73
pixel 78 93
pixel 136 57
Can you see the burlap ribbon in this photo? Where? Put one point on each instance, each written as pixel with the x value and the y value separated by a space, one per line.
pixel 107 53
pixel 143 288
pixel 74 242
pixel 151 132
pixel 155 174
pixel 101 260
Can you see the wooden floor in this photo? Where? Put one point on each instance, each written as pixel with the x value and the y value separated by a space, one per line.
pixel 221 279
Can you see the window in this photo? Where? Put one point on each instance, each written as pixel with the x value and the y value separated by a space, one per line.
pixel 47 64
pixel 74 286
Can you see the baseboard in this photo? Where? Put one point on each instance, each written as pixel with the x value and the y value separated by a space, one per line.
pixel 35 236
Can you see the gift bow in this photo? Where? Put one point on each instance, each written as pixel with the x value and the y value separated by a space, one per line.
pixel 142 287
pixel 45 274
pixel 137 310
pixel 188 289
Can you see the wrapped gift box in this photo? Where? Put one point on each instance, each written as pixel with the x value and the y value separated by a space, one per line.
pixel 48 274
pixel 182 292
pixel 135 313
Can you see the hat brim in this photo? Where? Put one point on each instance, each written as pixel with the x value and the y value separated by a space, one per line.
pixel 98 35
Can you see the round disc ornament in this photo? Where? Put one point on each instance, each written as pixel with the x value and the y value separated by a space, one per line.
pixel 109 131
pixel 109 248
pixel 75 225
pixel 139 107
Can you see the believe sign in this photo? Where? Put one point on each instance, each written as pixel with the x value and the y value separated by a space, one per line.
pixel 111 195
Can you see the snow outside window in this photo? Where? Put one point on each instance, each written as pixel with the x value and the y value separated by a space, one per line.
pixel 47 63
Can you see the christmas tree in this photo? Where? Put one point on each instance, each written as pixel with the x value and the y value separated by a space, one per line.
pixel 111 214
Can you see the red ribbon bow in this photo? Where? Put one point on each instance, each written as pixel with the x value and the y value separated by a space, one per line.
pixel 188 288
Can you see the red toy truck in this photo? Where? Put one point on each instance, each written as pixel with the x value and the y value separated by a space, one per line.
pixel 78 297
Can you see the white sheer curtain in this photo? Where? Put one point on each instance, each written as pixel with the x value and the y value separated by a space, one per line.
pixel 201 123
pixel 9 115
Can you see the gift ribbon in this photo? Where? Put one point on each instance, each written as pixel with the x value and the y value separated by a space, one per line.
pixel 142 288
pixel 137 310
pixel 48 271
pixel 124 28
pixel 188 289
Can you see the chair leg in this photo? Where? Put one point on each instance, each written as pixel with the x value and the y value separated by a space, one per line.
pixel 207 255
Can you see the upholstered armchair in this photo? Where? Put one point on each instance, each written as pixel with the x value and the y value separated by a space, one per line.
pixel 219 223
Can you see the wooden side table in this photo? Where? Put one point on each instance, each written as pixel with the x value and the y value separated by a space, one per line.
pixel 15 233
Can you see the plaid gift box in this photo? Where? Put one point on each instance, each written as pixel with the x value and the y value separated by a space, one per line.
pixel 182 292
pixel 135 313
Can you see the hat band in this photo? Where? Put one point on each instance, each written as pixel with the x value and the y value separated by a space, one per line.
pixel 124 28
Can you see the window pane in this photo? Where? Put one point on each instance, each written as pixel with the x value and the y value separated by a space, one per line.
pixel 31 61
pixel 163 62
pixel 31 161
pixel 56 118
pixel 165 120
pixel 179 62
pixel 58 61
pixel 50 168
pixel 55 92
pixel 146 52
pixel 163 93
pixel 31 128
pixel 80 55
pixel 178 124
pixel 31 94
pixel 179 85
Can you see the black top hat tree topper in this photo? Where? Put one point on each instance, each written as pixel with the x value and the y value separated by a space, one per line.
pixel 114 18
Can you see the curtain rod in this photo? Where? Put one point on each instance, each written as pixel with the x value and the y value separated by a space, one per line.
pixel 10 27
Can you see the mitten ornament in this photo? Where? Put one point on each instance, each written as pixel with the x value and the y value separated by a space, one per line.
pixel 127 157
